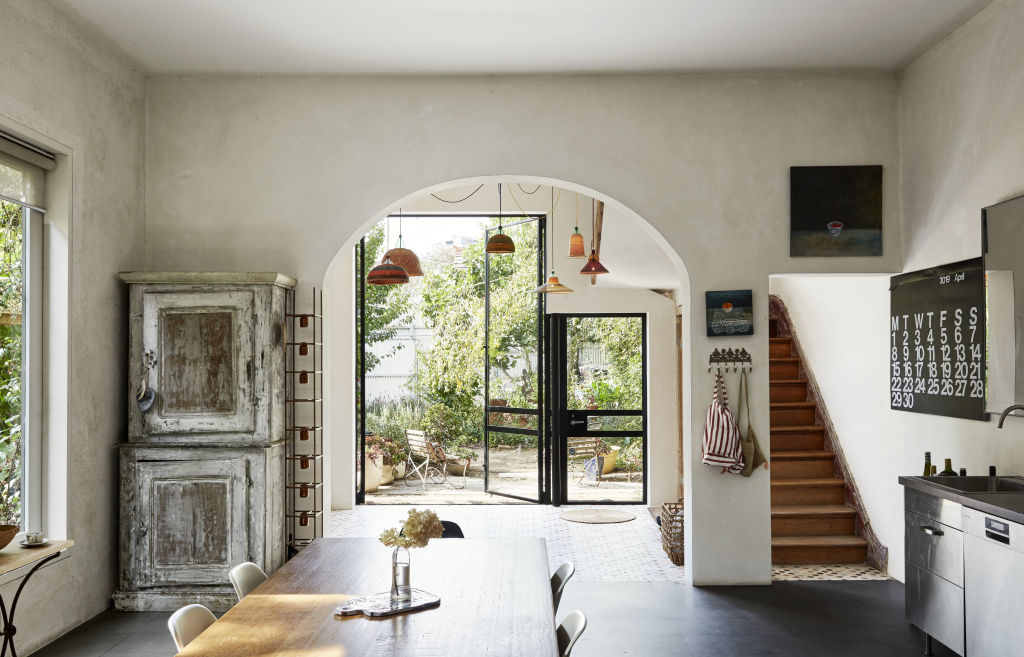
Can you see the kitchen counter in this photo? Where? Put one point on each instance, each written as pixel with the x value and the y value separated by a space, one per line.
pixel 1004 504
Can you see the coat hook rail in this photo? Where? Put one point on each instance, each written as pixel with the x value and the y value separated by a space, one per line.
pixel 738 359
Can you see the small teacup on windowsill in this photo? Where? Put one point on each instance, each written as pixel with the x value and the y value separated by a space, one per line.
pixel 34 538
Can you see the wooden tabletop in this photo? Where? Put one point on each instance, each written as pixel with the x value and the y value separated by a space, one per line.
pixel 495 600
pixel 14 556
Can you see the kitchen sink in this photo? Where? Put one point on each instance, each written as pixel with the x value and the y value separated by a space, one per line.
pixel 980 484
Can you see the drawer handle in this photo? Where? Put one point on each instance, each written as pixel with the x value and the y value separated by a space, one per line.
pixel 931 531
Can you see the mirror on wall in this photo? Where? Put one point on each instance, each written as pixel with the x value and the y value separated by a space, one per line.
pixel 1003 249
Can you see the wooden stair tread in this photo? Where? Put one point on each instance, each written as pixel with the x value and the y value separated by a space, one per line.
pixel 801 454
pixel 783 359
pixel 812 482
pixel 801 428
pixel 813 510
pixel 818 541
pixel 795 404
pixel 780 340
pixel 787 381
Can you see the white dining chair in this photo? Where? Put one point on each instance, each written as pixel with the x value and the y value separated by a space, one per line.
pixel 189 622
pixel 570 630
pixel 245 577
pixel 558 580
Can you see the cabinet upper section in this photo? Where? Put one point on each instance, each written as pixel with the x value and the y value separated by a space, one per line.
pixel 206 357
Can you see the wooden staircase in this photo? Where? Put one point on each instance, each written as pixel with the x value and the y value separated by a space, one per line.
pixel 811 521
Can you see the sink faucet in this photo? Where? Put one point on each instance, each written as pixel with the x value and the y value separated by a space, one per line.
pixel 1002 418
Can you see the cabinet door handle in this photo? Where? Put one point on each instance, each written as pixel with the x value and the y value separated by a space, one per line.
pixel 931 531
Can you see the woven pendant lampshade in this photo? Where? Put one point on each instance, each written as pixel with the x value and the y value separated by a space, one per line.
pixel 593 265
pixel 500 242
pixel 553 286
pixel 576 247
pixel 387 273
pixel 405 259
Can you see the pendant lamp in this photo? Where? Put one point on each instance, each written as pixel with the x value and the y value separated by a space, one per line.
pixel 500 242
pixel 387 273
pixel 553 286
pixel 404 258
pixel 576 248
pixel 593 265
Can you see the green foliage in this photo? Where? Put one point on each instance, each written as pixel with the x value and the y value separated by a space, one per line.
pixel 392 451
pixel 391 418
pixel 386 305
pixel 10 362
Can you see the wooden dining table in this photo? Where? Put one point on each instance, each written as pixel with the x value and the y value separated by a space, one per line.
pixel 495 601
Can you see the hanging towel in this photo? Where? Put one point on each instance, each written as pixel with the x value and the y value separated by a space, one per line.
pixel 721 435
pixel 752 454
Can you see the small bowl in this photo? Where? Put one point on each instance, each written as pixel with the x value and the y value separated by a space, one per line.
pixel 7 533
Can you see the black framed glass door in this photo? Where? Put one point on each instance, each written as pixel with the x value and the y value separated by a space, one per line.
pixel 597 368
pixel 516 461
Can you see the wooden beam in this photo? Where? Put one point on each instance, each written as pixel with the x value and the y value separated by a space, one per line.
pixel 598 225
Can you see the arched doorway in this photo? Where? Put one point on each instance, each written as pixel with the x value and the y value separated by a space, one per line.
pixel 649 279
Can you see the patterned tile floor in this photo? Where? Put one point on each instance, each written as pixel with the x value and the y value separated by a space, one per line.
pixel 627 551
pixel 835 572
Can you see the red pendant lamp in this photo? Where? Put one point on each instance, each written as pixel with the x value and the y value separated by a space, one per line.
pixel 500 242
pixel 593 265
pixel 553 286
pixel 576 247
pixel 387 273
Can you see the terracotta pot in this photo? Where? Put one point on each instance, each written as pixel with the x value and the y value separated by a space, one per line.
pixel 458 469
pixel 387 474
pixel 399 470
pixel 609 459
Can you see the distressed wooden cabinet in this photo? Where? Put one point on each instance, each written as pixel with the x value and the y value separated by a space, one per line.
pixel 202 469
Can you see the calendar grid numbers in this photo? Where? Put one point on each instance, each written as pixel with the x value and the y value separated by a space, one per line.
pixel 937 341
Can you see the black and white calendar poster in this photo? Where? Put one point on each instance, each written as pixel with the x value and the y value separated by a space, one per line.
pixel 937 340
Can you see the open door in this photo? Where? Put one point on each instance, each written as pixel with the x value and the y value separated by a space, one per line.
pixel 516 452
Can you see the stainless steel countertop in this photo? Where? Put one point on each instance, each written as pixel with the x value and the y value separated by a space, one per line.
pixel 1006 505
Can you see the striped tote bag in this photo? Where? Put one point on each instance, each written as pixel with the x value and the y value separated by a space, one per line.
pixel 722 445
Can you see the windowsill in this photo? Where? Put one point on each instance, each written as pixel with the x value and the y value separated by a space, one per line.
pixel 16 562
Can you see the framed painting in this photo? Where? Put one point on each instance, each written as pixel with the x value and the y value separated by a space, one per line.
pixel 835 211
pixel 729 312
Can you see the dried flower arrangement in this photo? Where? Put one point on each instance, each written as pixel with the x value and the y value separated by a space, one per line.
pixel 420 527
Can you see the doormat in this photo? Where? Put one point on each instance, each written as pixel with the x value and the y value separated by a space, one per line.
pixel 597 516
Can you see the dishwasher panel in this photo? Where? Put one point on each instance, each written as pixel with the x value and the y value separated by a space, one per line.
pixel 935 606
pixel 993 585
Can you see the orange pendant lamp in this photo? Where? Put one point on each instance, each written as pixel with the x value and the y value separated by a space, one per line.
pixel 576 247
pixel 553 286
pixel 500 242
pixel 593 265
pixel 404 258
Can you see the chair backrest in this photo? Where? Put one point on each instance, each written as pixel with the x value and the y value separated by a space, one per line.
pixel 570 630
pixel 558 580
pixel 189 622
pixel 418 445
pixel 451 530
pixel 245 577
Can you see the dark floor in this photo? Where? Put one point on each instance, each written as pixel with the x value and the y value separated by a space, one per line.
pixel 653 619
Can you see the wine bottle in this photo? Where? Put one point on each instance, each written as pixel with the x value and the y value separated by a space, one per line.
pixel 927 464
pixel 963 472
pixel 933 471
pixel 948 470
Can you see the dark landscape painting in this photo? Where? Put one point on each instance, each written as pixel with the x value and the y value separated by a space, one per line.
pixel 835 211
pixel 730 312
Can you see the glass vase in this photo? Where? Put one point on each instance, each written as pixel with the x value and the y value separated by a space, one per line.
pixel 401 591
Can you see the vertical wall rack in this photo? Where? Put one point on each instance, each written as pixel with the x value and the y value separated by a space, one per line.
pixel 304 504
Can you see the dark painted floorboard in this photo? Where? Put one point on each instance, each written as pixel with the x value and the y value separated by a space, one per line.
pixel 652 619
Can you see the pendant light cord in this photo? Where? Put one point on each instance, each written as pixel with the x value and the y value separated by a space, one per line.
pixel 464 198
pixel 525 213
pixel 551 229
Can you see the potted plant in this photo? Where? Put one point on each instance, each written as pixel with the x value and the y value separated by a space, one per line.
pixel 461 452
pixel 373 467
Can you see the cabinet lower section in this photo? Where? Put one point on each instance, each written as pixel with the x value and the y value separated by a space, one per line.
pixel 189 514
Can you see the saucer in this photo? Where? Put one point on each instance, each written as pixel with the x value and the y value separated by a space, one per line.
pixel 26 544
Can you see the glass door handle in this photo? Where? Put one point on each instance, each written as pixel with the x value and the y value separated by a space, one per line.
pixel 575 422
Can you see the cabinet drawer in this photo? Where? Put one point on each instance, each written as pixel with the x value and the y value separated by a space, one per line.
pixel 935 547
pixel 934 507
pixel 936 607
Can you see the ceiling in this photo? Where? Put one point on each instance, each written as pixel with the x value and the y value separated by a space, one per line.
pixel 309 37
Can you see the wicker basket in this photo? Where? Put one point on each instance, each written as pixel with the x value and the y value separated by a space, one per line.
pixel 672 531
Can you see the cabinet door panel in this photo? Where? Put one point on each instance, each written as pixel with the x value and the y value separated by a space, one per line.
pixel 195 516
pixel 203 348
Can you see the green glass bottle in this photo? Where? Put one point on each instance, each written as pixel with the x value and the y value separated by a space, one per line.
pixel 948 470
pixel 927 464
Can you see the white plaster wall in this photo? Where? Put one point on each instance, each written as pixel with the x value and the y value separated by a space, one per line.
pixel 962 136
pixel 64 86
pixel 279 173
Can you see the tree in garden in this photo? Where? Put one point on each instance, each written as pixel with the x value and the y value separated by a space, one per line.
pixel 11 287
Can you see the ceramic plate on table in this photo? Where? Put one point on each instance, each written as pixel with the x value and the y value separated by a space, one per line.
pixel 26 544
